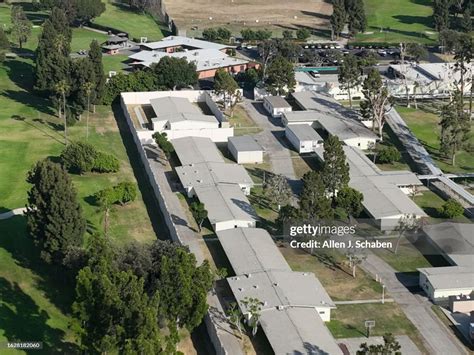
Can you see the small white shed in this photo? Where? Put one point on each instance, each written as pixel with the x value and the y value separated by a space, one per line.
pixel 276 105
pixel 303 137
pixel 245 150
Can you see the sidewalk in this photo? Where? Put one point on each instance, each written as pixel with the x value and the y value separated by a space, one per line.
pixel 12 213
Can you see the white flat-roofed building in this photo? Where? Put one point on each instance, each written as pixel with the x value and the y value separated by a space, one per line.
pixel 303 137
pixel 278 289
pixel 323 112
pixel 455 242
pixel 175 113
pixel 251 250
pixel 276 105
pixel 441 282
pixel 173 43
pixel 245 150
pixel 227 206
pixel 210 174
pixel 195 150
pixel 385 193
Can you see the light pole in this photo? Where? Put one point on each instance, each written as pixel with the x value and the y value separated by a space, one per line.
pixel 383 293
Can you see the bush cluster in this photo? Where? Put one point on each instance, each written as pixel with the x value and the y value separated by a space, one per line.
pixel 80 157
pixel 451 209
pixel 387 155
pixel 121 193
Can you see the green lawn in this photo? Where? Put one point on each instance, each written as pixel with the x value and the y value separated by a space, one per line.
pixel 347 321
pixel 407 259
pixel 135 24
pixel 113 62
pixel 335 276
pixel 425 126
pixel 430 202
pixel 401 20
pixel 35 301
pixel 81 38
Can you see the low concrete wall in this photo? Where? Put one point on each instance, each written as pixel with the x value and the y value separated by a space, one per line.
pixel 144 97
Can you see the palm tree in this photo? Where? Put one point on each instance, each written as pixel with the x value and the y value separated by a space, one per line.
pixel 62 88
pixel 87 87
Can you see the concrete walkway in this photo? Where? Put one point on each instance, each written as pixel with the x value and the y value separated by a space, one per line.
pixel 12 213
pixel 273 140
pixel 437 337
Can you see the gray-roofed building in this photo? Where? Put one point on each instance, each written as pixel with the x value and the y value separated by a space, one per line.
pixel 195 150
pixel 172 43
pixel 298 331
pixel 212 173
pixel 227 206
pixel 174 113
pixel 455 242
pixel 251 250
pixel 324 112
pixel 245 150
pixel 385 192
pixel 303 137
pixel 276 105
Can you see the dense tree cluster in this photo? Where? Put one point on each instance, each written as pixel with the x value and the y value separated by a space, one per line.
pixel 451 209
pixel 80 11
pixel 350 12
pixel 216 34
pixel 226 87
pixel 168 74
pixel 161 139
pixel 54 217
pixel 122 193
pixel 452 14
pixel 21 26
pixel 72 84
pixel 255 35
pixel 81 157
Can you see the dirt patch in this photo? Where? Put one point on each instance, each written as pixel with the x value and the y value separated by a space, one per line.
pixel 251 13
pixel 104 124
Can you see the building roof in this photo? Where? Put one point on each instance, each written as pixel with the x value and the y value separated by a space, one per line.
pixel 212 173
pixel 382 196
pixel 455 240
pixel 450 277
pixel 245 144
pixel 180 41
pixel 334 118
pixel 195 150
pixel 277 101
pixel 204 59
pixel 280 288
pixel 178 109
pixel 116 39
pixel 428 72
pixel 297 331
pixel 304 132
pixel 225 202
pixel 251 250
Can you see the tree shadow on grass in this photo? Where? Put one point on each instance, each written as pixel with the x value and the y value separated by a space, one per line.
pixel 45 132
pixel 29 100
pixel 22 320
pixel 57 283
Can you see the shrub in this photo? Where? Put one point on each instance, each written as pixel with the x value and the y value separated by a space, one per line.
pixel 78 157
pixel 303 34
pixel 388 155
pixel 105 163
pixel 450 209
pixel 350 201
pixel 121 193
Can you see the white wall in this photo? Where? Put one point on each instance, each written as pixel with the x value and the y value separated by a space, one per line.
pixel 218 135
pixel 307 146
pixel 220 226
pixel 361 143
pixel 144 97
pixel 324 313
pixel 249 157
pixel 189 124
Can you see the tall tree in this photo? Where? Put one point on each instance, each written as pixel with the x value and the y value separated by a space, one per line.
pixel 441 14
pixel 280 77
pixel 376 101
pixel 199 212
pixel 314 202
pixel 356 17
pixel 89 9
pixel 62 89
pixel 416 51
pixel 54 216
pixel 226 87
pixel 466 21
pixel 338 18
pixel 95 56
pixel 52 53
pixel 349 75
pixel 113 308
pixel 82 78
pixel 4 42
pixel 335 173
pixel 277 189
pixel 455 127
pixel 463 58
pixel 21 26
pixel 174 73
pixel 267 51
pixel 350 200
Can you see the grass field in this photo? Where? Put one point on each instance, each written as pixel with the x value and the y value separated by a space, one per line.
pixel 135 24
pixel 113 62
pixel 336 278
pixel 407 259
pixel 401 20
pixel 425 126
pixel 347 321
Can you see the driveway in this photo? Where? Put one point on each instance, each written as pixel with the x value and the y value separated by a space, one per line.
pixel 417 309
pixel 272 139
